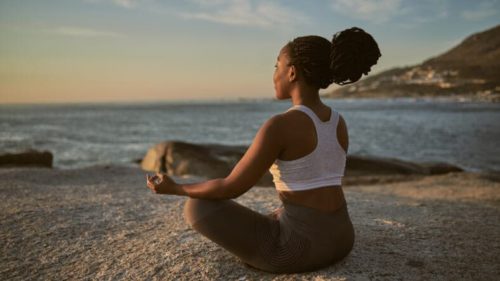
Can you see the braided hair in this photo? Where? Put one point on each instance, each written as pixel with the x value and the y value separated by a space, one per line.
pixel 351 54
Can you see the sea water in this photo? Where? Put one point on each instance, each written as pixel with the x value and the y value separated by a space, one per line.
pixel 466 134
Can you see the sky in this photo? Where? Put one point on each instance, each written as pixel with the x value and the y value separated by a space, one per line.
pixel 152 50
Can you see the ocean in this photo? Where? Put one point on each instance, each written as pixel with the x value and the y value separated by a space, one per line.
pixel 466 134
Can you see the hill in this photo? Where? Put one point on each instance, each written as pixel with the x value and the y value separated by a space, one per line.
pixel 470 69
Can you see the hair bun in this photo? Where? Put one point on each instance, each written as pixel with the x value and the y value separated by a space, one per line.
pixel 353 54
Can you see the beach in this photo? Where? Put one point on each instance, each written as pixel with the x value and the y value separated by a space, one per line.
pixel 403 99
pixel 101 222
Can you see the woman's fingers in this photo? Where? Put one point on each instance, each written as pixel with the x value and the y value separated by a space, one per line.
pixel 158 182
pixel 154 179
pixel 150 183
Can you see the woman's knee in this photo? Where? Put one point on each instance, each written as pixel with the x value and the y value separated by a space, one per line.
pixel 197 209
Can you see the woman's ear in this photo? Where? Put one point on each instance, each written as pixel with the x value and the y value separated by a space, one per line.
pixel 292 73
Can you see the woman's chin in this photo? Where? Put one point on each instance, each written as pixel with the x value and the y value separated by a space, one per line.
pixel 280 97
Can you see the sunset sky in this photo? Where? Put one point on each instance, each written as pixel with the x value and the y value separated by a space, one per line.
pixel 151 50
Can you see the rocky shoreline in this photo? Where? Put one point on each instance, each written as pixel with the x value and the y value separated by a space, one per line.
pixel 178 158
pixel 208 161
pixel 198 162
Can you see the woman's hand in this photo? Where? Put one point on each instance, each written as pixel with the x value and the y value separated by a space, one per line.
pixel 161 184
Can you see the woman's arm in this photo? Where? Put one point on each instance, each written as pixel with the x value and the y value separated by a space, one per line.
pixel 342 134
pixel 264 149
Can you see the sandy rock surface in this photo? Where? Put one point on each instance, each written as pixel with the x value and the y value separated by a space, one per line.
pixel 102 223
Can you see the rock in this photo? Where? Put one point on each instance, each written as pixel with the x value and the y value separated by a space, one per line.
pixel 184 158
pixel 32 158
pixel 370 165
pixel 177 158
pixel 154 160
pixel 104 224
pixel 437 168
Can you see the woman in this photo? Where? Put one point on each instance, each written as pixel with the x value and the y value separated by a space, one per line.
pixel 305 150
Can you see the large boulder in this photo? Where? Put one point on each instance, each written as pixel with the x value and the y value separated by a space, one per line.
pixel 29 158
pixel 177 158
pixel 437 168
pixel 371 165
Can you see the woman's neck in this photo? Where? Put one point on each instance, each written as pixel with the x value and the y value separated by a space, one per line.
pixel 305 95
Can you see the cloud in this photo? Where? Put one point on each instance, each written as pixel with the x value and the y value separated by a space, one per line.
pixel 368 10
pixel 484 10
pixel 244 12
pixel 129 4
pixel 405 13
pixel 84 32
pixel 125 3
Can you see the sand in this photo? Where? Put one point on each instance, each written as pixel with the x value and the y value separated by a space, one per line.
pixel 102 223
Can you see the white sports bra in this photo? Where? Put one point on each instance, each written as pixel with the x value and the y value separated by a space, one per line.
pixel 323 167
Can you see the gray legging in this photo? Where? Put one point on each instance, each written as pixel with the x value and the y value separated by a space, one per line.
pixel 291 239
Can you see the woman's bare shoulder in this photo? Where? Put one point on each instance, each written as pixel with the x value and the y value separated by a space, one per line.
pixel 291 119
pixel 283 120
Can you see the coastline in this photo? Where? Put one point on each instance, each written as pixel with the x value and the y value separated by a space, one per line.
pixel 479 98
pixel 237 100
pixel 143 125
pixel 101 222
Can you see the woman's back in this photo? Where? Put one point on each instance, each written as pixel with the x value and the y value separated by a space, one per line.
pixel 300 139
